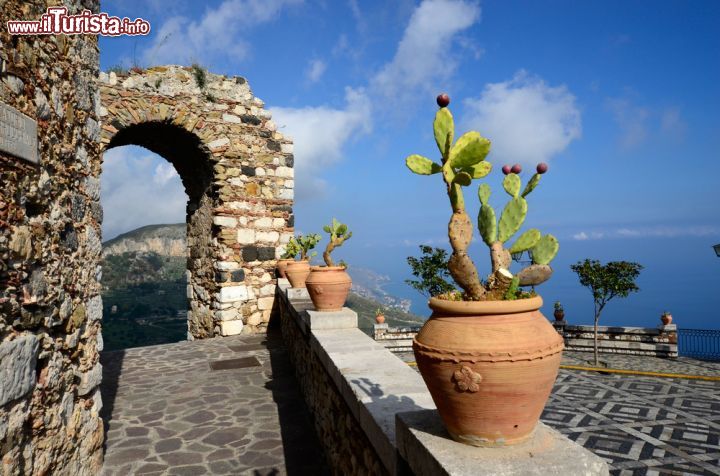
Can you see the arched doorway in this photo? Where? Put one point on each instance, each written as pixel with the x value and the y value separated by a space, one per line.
pixel 237 171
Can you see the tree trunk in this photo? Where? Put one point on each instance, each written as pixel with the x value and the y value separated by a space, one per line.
pixel 597 318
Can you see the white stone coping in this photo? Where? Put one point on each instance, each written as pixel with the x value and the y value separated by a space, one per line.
pixel 377 387
pixel 426 446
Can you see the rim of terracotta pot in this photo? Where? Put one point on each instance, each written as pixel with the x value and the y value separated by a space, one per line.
pixel 299 261
pixel 474 308
pixel 327 268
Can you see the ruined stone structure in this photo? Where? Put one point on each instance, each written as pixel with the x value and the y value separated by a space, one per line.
pixel 238 174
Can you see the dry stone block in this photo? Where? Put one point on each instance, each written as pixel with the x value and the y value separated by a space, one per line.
pixel 231 328
pixel 233 293
pixel 266 303
pixel 17 367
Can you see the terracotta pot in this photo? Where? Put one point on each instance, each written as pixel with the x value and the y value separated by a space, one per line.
pixel 328 287
pixel 380 319
pixel 559 315
pixel 297 272
pixel 666 319
pixel 490 367
pixel 282 265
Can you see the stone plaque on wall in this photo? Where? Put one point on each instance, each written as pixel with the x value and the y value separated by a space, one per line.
pixel 18 134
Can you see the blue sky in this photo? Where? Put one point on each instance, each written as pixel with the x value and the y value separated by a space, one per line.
pixel 620 98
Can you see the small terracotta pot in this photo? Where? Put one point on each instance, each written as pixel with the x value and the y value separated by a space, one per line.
pixel 328 287
pixel 380 319
pixel 282 265
pixel 489 366
pixel 297 272
pixel 666 319
pixel 559 315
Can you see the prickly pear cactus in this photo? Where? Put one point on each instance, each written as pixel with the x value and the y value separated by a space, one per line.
pixel 463 161
pixel 307 243
pixel 339 233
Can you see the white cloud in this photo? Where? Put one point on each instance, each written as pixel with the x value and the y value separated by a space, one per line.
pixel 319 135
pixel 631 119
pixel 423 59
pixel 315 70
pixel 219 33
pixel 672 124
pixel 527 120
pixel 139 188
pixel 648 232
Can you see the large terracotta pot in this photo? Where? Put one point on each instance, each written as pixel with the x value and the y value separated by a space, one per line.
pixel 328 287
pixel 490 367
pixel 297 272
pixel 282 265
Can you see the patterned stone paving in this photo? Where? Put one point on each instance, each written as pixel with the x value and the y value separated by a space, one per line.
pixel 639 425
pixel 168 413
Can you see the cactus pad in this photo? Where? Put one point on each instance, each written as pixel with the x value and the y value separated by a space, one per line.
pixel 512 218
pixel 463 178
pixel 484 193
pixel 470 149
pixel 442 126
pixel 511 184
pixel 422 165
pixel 545 250
pixel 487 224
pixel 534 274
pixel 526 241
pixel 479 170
pixel 532 183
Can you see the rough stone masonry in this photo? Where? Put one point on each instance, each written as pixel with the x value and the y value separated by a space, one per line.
pixel 238 174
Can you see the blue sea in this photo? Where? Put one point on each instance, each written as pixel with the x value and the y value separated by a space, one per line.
pixel 681 275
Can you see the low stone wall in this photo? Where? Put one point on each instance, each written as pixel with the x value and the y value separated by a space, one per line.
pixel 374 415
pixel 648 341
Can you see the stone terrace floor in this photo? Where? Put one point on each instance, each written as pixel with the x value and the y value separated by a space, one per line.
pixel 640 425
pixel 168 411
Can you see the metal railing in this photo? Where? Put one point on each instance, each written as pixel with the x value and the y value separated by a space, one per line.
pixel 699 343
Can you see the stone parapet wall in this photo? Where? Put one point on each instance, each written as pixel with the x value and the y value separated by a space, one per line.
pixel 50 215
pixel 395 339
pixel 237 170
pixel 648 341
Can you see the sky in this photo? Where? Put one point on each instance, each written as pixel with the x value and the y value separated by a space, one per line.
pixel 620 98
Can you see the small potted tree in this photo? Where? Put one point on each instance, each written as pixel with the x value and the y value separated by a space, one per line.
pixel 666 318
pixel 329 285
pixel 291 251
pixel 379 316
pixel 488 356
pixel 298 271
pixel 559 312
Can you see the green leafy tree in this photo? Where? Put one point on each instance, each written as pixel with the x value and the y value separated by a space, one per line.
pixel 614 279
pixel 432 270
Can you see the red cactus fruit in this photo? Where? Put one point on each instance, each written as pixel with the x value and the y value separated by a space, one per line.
pixel 542 168
pixel 443 100
pixel 506 169
pixel 516 169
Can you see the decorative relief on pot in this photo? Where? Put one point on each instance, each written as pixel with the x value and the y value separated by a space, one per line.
pixel 467 380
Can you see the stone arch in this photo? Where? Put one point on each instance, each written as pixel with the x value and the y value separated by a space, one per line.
pixel 238 174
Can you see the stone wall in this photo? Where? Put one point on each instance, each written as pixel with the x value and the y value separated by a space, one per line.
pixel 237 170
pixel 649 341
pixel 50 216
pixel 347 447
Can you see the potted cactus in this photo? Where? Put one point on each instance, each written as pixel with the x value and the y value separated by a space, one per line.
pixel 379 316
pixel 487 354
pixel 329 285
pixel 291 251
pixel 298 271
pixel 559 311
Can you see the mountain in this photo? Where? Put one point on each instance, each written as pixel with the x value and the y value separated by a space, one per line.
pixel 144 290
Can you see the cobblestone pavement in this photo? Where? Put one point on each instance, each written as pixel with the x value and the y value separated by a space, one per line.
pixel 639 425
pixel 170 413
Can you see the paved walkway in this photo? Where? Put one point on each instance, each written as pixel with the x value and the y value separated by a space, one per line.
pixel 219 406
pixel 680 365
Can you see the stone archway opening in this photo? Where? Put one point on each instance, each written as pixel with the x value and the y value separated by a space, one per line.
pixel 190 159
pixel 237 171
